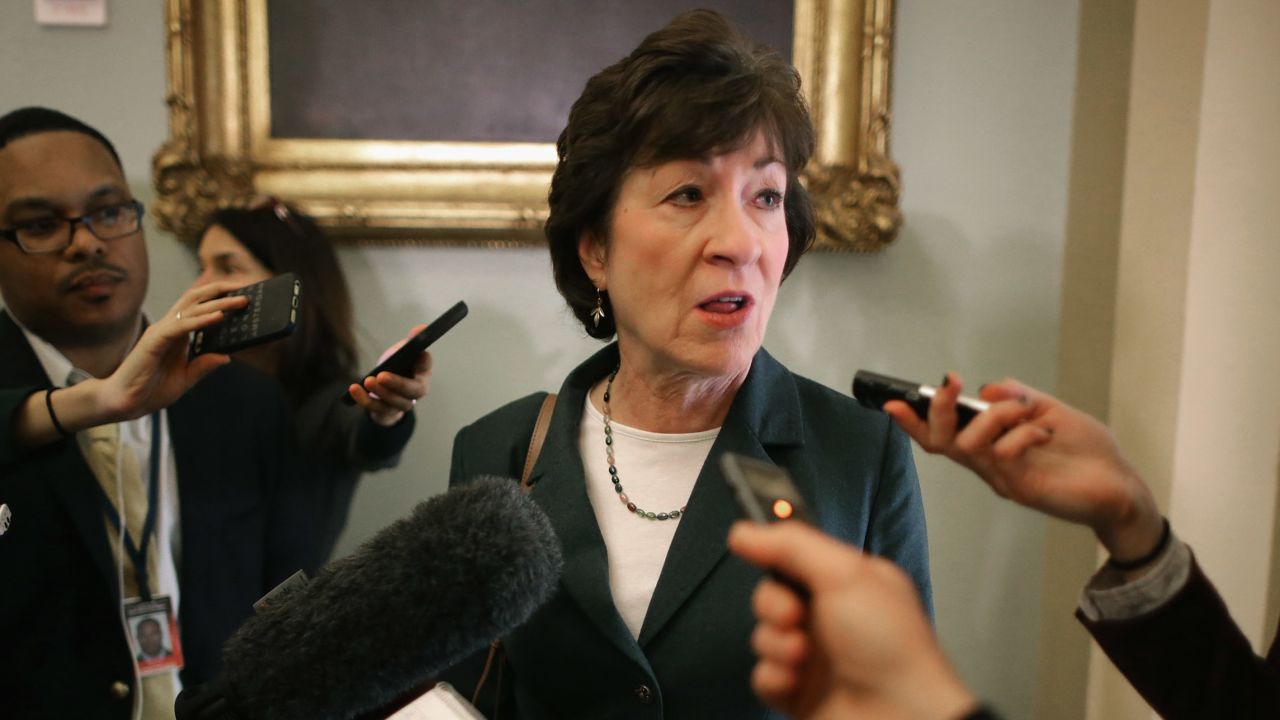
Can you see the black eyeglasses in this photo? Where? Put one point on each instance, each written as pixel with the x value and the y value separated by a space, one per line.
pixel 53 233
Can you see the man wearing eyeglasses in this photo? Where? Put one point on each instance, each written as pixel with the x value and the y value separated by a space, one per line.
pixel 144 484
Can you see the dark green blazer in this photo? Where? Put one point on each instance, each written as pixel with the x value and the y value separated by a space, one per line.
pixel 575 658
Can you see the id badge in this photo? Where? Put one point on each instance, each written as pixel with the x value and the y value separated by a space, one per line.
pixel 153 634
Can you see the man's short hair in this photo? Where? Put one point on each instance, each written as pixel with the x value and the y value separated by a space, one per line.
pixel 34 120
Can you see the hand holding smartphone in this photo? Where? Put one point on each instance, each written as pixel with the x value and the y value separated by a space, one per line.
pixel 873 390
pixel 402 360
pixel 272 313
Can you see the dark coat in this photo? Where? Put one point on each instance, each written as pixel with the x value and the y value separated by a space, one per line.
pixel 576 658
pixel 1188 658
pixel 241 516
pixel 339 443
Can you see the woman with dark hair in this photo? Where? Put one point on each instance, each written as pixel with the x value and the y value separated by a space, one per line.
pixel 318 361
pixel 676 211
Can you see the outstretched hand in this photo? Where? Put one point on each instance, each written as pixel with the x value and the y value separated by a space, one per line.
pixel 153 375
pixel 388 396
pixel 156 371
pixel 860 647
pixel 1039 452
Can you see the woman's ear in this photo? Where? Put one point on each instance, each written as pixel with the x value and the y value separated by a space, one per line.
pixel 593 256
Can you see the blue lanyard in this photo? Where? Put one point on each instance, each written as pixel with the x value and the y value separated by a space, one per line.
pixel 138 552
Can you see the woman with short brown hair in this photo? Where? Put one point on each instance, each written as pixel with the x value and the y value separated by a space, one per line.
pixel 676 212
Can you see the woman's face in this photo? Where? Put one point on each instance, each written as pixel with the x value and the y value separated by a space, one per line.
pixel 693 261
pixel 222 257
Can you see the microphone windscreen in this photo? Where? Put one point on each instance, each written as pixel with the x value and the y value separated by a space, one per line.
pixel 464 568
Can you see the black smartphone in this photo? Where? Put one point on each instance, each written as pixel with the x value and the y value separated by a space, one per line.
pixel 402 360
pixel 272 313
pixel 764 491
pixel 873 390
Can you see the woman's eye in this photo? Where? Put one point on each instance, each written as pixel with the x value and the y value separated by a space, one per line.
pixel 687 195
pixel 769 199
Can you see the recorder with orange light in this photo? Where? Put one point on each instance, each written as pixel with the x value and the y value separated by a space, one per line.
pixel 764 491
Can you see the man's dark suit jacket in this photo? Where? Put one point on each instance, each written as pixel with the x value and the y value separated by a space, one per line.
pixel 575 658
pixel 240 509
pixel 1189 659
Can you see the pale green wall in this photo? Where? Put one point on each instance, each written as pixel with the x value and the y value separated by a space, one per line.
pixel 982 104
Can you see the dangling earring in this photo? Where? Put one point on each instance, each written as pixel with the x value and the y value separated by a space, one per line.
pixel 599 311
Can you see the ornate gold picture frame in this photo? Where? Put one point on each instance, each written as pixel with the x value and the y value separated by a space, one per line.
pixel 220 150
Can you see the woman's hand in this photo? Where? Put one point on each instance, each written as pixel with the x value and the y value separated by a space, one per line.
pixel 1042 453
pixel 153 375
pixel 388 396
pixel 156 371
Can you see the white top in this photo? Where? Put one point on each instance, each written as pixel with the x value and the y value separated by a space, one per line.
pixel 135 437
pixel 657 471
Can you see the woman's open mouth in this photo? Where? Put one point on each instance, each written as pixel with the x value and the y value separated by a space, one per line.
pixel 727 309
pixel 725 304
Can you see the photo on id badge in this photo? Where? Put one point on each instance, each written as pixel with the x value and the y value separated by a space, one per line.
pixel 153 630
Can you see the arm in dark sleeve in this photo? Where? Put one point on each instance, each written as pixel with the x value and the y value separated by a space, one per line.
pixel 292 501
pixel 1188 658
pixel 897 528
pixel 376 447
pixel 347 435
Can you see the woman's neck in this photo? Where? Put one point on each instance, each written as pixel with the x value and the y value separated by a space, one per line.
pixel 668 402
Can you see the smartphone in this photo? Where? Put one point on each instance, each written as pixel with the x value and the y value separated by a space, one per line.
pixel 272 313
pixel 873 390
pixel 402 360
pixel 764 491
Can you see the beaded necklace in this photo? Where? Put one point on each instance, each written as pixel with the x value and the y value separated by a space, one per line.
pixel 613 469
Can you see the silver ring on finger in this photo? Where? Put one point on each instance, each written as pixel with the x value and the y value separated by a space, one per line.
pixel 178 315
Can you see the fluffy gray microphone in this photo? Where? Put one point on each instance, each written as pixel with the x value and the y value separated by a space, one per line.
pixel 427 591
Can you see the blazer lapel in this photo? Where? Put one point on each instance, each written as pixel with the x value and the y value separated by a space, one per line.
pixel 74 485
pixel 560 490
pixel 765 413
